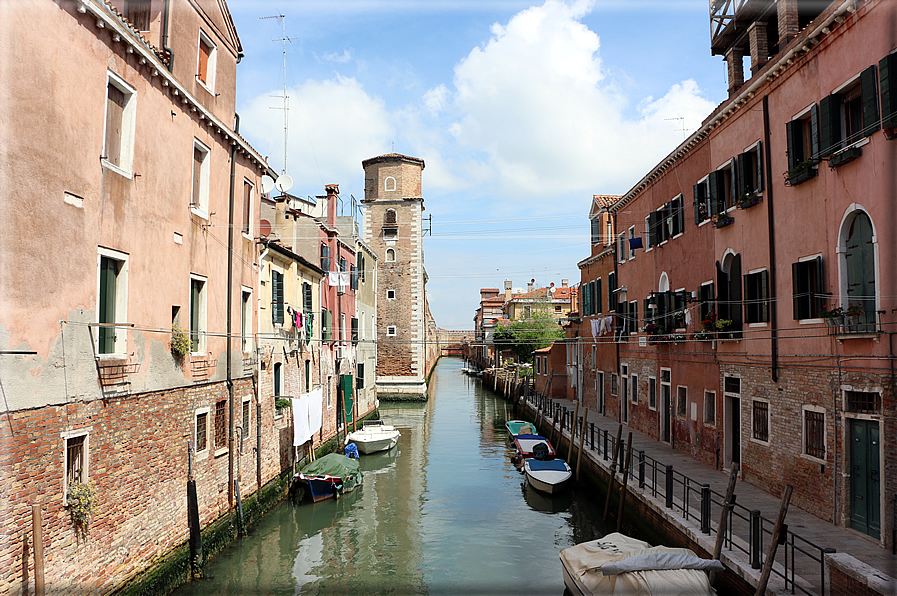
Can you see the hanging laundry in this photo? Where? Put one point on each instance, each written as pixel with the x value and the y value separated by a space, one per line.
pixel 687 317
pixel 301 431
pixel 333 278
pixel 596 327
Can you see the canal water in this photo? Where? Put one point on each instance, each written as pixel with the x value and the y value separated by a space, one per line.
pixel 445 512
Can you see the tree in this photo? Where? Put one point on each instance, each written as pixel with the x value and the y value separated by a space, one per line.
pixel 525 337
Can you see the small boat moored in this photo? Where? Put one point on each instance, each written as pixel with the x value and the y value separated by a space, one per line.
pixel 619 564
pixel 527 445
pixel 520 427
pixel 374 436
pixel 550 476
pixel 330 476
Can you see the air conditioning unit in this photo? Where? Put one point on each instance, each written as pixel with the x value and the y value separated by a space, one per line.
pixel 340 353
pixel 340 290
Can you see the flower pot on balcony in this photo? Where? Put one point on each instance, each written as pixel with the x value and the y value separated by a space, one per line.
pixel 844 156
pixel 799 175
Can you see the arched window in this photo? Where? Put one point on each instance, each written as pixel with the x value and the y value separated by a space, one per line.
pixel 389 183
pixel 390 255
pixel 857 245
pixel 728 275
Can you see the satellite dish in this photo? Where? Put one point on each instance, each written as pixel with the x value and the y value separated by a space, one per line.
pixel 284 183
pixel 264 228
pixel 267 184
pixel 552 289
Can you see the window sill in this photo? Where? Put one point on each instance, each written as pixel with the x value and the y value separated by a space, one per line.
pixel 756 325
pixel 117 169
pixel 199 212
pixel 220 452
pixel 813 459
pixel 247 236
pixel 116 357
pixel 759 442
pixel 205 86
pixel 201 455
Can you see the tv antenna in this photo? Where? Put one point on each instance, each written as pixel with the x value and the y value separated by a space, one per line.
pixel 286 98
pixel 681 122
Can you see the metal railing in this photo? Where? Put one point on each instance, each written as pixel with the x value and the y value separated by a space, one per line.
pixel 799 561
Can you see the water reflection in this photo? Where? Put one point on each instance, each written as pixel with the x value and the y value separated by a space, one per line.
pixel 443 512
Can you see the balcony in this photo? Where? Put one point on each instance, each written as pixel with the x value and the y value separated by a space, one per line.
pixel 867 325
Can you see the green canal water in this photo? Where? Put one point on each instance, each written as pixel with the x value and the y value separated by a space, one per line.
pixel 444 512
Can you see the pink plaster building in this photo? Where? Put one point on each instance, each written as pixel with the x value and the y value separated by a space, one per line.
pixel 128 243
pixel 753 288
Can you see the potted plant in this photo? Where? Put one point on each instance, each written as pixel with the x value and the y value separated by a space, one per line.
pixel 723 325
pixel 180 341
pixel 722 220
pixel 853 312
pixel 844 156
pixel 748 199
pixel 80 499
pixel 800 173
pixel 831 316
pixel 281 404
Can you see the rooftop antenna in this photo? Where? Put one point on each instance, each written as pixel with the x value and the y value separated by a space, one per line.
pixel 682 130
pixel 286 98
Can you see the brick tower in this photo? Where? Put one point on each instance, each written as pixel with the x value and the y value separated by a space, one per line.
pixel 393 229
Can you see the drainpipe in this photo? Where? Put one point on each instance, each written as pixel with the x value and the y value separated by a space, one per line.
pixel 613 216
pixel 230 300
pixel 165 47
pixel 771 227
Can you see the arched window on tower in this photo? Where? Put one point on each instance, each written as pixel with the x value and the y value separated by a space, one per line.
pixel 389 184
pixel 390 224
pixel 390 255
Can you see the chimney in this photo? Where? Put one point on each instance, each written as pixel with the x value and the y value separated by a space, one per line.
pixel 759 45
pixel 332 192
pixel 788 21
pixel 565 283
pixel 507 290
pixel 529 286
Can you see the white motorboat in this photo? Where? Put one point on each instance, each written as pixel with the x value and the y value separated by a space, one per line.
pixel 548 476
pixel 619 564
pixel 374 436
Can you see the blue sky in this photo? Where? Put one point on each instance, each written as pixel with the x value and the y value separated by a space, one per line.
pixel 520 110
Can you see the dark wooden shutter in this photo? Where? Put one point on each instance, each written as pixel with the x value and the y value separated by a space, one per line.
pixel 743 184
pixel 598 295
pixel 870 101
pixel 814 131
pixel 792 133
pixel 353 278
pixel 733 190
pixel 735 294
pixel 698 201
pixel 654 228
pixel 680 215
pixel 715 182
pixel 306 297
pixel 195 297
pixel 354 331
pixel 759 157
pixel 887 78
pixel 197 176
pixel 764 296
pixel 818 287
pixel 829 124
pixel 277 297
pixel 798 291
pixel 247 205
pixel 325 258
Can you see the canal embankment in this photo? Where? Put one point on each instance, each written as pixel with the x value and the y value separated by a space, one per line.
pixel 681 500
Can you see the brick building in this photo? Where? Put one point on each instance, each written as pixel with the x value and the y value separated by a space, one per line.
pixel 393 220
pixel 134 162
pixel 751 287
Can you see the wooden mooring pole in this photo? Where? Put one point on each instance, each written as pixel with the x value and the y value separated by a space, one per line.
pixel 612 473
pixel 582 436
pixel 777 537
pixel 37 535
pixel 625 481
pixel 724 516
pixel 573 432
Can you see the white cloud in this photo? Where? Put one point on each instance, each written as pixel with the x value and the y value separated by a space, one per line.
pixel 435 99
pixel 536 99
pixel 333 125
pixel 343 58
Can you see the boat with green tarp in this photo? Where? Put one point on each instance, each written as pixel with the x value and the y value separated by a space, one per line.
pixel 330 476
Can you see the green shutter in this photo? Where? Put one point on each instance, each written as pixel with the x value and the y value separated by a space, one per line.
pixel 792 133
pixel 743 184
pixel 195 296
pixel 108 278
pixel 870 101
pixel 818 298
pixel 354 331
pixel 715 182
pixel 277 297
pixel 598 295
pixel 814 131
pixel 829 124
pixel 680 215
pixel 346 384
pixel 887 78
pixel 759 157
pixel 797 291
pixel 306 297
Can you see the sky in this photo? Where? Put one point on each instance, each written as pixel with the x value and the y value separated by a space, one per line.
pixel 521 111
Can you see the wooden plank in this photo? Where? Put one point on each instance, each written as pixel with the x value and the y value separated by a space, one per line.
pixel 724 516
pixel 774 542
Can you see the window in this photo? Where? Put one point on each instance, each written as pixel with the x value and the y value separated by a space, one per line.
pixel 857 247
pixel 849 114
pixel 353 277
pixel 205 70
pixel 326 325
pixel 887 75
pixel 325 257
pixel 390 255
pixel 634 389
pixel 278 379
pixel 306 297
pixel 246 321
pixel 721 188
pixel 277 300
pixel 538 366
pixel 649 237
pixel 390 294
pixel 247 206
pixel 391 330
pixel 652 393
pixel 359 375
pixel 729 297
pixel 610 232
pixel 138 13
pixel 75 459
pixel 118 137
pixel 247 416
pixel 631 244
pixel 756 294
pixel 389 184
pixel 710 407
pixel 750 172
pixel 199 199
pixel 557 308
pixel 390 225
pixel 112 292
pixel 675 217
pixel 809 291
pixel 621 247
pixel 706 300
pixel 814 432
pixel 632 317
pixel 681 401
pixel 307 376
pixel 802 135
pixel 354 323
pixel 197 314
pixel 863 402
pixel 221 425
pixel 701 201
pixel 614 380
pixel 201 430
pixel 595 230
pixel 761 421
